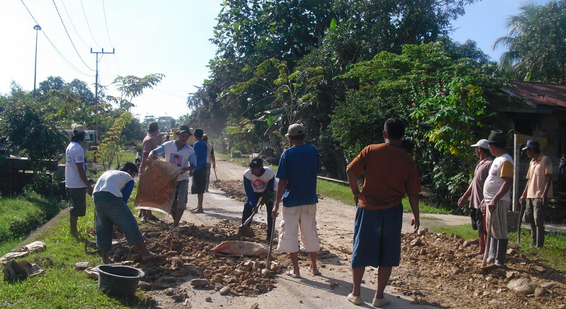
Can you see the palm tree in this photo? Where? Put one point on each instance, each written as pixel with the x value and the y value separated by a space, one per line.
pixel 536 43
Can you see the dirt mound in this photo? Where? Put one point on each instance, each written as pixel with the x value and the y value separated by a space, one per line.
pixel 187 255
pixel 436 271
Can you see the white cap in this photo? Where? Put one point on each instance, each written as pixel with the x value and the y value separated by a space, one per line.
pixel 482 143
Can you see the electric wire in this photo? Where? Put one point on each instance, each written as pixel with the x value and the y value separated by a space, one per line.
pixel 53 45
pixel 72 43
pixel 108 34
pixel 73 24
pixel 88 24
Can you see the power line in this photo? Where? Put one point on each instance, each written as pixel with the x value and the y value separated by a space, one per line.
pixel 72 24
pixel 106 23
pixel 67 32
pixel 88 24
pixel 53 45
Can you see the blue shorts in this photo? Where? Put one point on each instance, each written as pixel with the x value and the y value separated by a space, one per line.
pixel 109 211
pixel 377 237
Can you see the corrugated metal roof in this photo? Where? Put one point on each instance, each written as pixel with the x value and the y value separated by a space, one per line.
pixel 553 95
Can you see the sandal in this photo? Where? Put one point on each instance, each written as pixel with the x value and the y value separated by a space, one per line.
pixel 291 273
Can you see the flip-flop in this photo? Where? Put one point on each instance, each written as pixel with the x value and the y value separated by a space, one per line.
pixel 197 211
pixel 316 273
pixel 290 273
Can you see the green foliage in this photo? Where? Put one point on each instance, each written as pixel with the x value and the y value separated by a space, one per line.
pixel 30 130
pixel 132 86
pixel 536 43
pixel 443 100
pixel 110 149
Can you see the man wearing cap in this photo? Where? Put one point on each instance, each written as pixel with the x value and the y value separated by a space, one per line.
pixel 76 182
pixel 297 172
pixel 199 174
pixel 390 175
pixel 497 198
pixel 148 144
pixel 475 193
pixel 258 180
pixel 186 154
pixel 210 161
pixel 537 191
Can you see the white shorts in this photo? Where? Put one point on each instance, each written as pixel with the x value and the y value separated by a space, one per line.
pixel 294 219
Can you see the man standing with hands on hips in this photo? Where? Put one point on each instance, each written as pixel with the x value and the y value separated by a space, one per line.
pixel 297 173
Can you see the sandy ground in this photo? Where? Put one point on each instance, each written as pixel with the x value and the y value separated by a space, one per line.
pixel 335 224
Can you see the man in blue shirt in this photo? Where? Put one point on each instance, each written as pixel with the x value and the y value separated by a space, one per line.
pixel 297 173
pixel 199 174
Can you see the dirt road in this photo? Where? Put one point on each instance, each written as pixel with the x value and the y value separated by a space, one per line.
pixel 335 224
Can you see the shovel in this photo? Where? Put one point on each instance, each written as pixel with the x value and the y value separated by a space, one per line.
pixel 245 229
pixel 270 244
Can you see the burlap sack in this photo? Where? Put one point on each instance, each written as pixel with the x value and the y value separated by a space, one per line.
pixel 157 186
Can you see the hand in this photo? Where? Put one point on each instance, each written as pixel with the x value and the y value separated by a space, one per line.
pixel 152 155
pixel 491 206
pixel 357 197
pixel 461 201
pixel 416 224
pixel 522 200
pixel 89 190
pixel 275 211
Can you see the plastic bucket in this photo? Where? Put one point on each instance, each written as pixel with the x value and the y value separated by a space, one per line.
pixel 118 279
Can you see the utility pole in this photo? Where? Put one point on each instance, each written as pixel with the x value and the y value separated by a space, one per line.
pixel 96 90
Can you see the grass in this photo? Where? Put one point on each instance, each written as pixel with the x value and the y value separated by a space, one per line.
pixel 61 286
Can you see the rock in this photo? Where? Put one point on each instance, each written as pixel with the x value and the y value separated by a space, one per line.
pixel 255 306
pixel 522 286
pixel 224 291
pixel 549 285
pixel 333 285
pixel 195 271
pixel 267 273
pixel 81 265
pixel 470 242
pixel 200 283
pixel 208 299
pixel 92 272
pixel 540 291
pixel 169 291
pixel 144 285
pixel 416 242
pixel 422 231
pixel 497 303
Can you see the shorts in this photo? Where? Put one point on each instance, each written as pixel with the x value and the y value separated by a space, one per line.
pixel 297 218
pixel 181 195
pixel 77 201
pixel 109 211
pixel 377 237
pixel 478 223
pixel 199 182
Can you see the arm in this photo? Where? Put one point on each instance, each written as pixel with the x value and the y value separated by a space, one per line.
pixel 353 182
pixel 212 158
pixel 127 191
pixel 465 197
pixel 280 190
pixel 524 195
pixel 82 174
pixel 507 182
pixel 250 192
pixel 156 152
pixel 548 182
pixel 414 202
pixel 192 163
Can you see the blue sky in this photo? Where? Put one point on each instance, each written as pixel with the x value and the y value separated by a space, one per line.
pixel 166 36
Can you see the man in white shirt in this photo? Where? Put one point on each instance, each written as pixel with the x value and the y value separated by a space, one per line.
pixel 76 182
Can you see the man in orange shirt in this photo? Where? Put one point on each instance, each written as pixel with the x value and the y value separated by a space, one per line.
pixel 390 174
pixel 537 191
